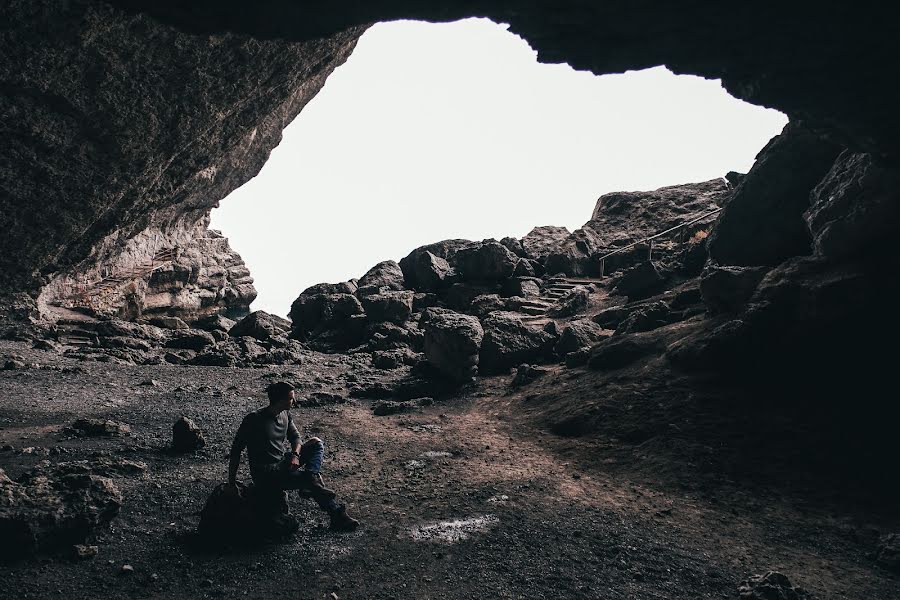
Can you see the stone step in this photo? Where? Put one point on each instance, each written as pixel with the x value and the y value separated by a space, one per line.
pixel 532 310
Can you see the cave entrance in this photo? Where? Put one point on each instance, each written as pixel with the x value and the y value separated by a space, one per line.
pixel 437 131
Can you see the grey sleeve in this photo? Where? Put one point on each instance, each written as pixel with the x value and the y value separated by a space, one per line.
pixel 293 434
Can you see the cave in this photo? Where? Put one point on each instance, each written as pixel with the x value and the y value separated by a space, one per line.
pixel 127 121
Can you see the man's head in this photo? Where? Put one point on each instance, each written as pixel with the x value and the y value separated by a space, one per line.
pixel 281 395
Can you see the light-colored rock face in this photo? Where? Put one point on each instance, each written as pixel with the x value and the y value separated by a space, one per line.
pixel 188 271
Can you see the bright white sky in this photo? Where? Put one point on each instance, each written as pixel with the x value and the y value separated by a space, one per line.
pixel 431 132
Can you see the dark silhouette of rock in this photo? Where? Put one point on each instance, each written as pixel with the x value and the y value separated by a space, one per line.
pixel 727 289
pixel 250 514
pixel 383 277
pixel 763 223
pixel 640 281
pixel 854 207
pixel 620 351
pixel 390 306
pixel 771 586
pixel 316 312
pixel 486 261
pixel 579 334
pixel 452 343
pixel 50 510
pixel 261 325
pixel 460 296
pixel 509 342
pixel 186 436
pixel 573 302
pixel 382 408
pixel 485 304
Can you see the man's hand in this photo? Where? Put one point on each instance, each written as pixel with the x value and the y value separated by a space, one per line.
pixel 295 462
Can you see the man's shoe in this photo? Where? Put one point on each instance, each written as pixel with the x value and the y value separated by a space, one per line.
pixel 341 521
pixel 314 487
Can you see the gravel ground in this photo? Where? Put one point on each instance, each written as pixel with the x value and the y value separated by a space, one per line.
pixel 457 500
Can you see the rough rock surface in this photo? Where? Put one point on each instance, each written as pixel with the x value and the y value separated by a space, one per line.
pixel 452 343
pixel 486 261
pixel 383 277
pixel 426 268
pixel 762 223
pixel 261 326
pixel 727 289
pixel 579 334
pixel 390 306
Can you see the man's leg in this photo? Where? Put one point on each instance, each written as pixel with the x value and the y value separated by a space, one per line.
pixel 312 454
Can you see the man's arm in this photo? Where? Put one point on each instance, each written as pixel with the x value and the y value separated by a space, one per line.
pixel 237 446
pixel 293 435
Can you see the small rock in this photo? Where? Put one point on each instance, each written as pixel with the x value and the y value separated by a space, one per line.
pixel 126 570
pixel 186 436
pixel 99 427
pixel 149 383
pixel 83 551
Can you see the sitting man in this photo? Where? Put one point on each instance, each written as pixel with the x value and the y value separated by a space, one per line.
pixel 263 433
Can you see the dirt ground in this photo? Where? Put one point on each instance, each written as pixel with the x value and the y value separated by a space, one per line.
pixel 464 499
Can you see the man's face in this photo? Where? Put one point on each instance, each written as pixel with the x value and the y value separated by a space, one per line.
pixel 287 402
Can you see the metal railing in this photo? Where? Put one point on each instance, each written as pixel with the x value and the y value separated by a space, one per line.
pixel 649 240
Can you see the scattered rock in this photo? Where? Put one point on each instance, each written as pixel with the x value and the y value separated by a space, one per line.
pixel 98 428
pixel 191 339
pixel 126 570
pixel 84 551
pixel 771 586
pixel 383 408
pixel 214 323
pixel 186 436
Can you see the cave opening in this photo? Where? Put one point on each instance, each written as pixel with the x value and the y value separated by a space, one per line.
pixel 440 131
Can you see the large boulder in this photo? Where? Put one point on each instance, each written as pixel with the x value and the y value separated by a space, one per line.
pixel 214 323
pixel 48 510
pixel 856 206
pixel 763 222
pixel 486 261
pixel 390 306
pixel 508 342
pixel 646 317
pixel 574 256
pixel 460 296
pixel 727 289
pixel 344 287
pixel 524 287
pixel 575 335
pixel 452 342
pixel 385 276
pixel 426 273
pixel 261 326
pixel 314 313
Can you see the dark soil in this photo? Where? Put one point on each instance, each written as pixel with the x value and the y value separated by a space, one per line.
pixel 467 498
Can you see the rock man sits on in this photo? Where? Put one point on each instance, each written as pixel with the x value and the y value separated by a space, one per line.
pixel 264 433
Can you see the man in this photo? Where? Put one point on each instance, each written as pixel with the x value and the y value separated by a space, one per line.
pixel 264 433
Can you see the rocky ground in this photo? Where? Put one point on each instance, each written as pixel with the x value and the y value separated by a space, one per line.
pixel 465 498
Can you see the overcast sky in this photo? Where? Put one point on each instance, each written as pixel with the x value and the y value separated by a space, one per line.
pixel 431 132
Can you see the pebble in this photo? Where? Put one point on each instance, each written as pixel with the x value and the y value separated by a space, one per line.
pixel 126 570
